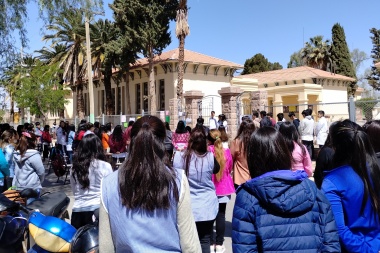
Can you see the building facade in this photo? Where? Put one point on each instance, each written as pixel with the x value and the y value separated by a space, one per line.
pixel 296 89
pixel 204 73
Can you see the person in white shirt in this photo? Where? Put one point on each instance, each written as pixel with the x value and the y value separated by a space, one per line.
pixel 61 137
pixel 213 123
pixel 321 130
pixel 89 168
pixel 306 130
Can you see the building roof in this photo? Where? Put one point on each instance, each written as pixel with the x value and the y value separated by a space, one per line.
pixel 190 56
pixel 297 73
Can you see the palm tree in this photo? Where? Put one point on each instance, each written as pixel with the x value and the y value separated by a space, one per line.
pixel 69 30
pixel 181 31
pixel 53 54
pixel 103 58
pixel 316 53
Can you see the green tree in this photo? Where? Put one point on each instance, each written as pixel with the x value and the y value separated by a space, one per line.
pixel 14 14
pixel 374 77
pixel 144 28
pixel 127 42
pixel 41 90
pixel 182 31
pixel 316 53
pixel 104 59
pixel 258 63
pixel 154 16
pixel 53 54
pixel 296 60
pixel 341 57
pixel 68 29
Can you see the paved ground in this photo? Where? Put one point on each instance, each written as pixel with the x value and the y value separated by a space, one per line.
pixel 51 184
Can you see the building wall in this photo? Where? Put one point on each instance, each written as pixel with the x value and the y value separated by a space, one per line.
pixel 208 84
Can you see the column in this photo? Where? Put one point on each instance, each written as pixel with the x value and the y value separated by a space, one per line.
pixel 229 108
pixel 277 105
pixel 173 112
pixel 303 102
pixel 259 101
pixel 191 106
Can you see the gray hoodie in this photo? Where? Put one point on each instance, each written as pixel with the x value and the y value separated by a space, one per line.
pixel 29 170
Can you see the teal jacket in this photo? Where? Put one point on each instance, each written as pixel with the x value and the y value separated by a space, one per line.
pixel 4 167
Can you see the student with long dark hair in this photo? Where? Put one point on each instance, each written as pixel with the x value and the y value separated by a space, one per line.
pixel 146 203
pixel 117 145
pixel 280 209
pixel 373 131
pixel 29 169
pixel 89 168
pixel 168 141
pixel 180 137
pixel 199 165
pixel 300 157
pixel 239 148
pixel 353 188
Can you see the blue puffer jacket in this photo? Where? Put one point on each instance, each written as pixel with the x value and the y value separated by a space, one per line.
pixel 283 211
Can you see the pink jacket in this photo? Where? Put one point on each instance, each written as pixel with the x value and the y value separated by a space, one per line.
pixel 225 186
pixel 301 161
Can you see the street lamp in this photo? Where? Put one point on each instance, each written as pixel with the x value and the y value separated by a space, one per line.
pixel 89 70
pixel 89 65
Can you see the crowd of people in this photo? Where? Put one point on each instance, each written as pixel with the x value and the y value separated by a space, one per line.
pixel 172 187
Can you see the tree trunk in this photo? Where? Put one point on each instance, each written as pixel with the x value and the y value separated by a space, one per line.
pixel 152 86
pixel 181 61
pixel 12 111
pixel 127 95
pixel 110 105
pixel 80 101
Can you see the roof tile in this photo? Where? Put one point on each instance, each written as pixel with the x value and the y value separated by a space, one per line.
pixel 297 73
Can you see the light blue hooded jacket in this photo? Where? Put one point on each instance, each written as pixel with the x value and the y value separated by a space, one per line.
pixel 29 170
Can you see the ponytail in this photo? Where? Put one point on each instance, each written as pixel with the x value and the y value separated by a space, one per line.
pixel 214 138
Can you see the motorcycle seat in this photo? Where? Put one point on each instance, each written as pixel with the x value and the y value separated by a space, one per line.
pixel 52 204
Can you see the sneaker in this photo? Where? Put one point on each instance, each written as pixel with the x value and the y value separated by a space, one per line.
pixel 220 248
pixel 212 248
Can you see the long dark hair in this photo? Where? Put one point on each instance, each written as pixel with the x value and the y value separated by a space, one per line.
pixel 89 149
pixel 247 127
pixel 290 134
pixel 267 151
pixel 373 131
pixel 197 144
pixel 181 127
pixel 146 179
pixel 223 134
pixel 117 134
pixel 353 147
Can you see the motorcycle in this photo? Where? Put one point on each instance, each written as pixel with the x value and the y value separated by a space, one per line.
pixel 48 233
pixel 14 217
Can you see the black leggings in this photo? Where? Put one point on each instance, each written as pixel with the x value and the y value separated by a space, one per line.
pixel 220 224
pixel 204 229
pixel 80 219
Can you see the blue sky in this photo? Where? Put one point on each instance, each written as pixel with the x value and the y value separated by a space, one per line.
pixel 237 30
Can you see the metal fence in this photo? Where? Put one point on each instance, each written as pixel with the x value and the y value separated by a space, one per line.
pixel 206 105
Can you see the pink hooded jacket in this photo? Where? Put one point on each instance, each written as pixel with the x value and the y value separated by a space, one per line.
pixel 225 186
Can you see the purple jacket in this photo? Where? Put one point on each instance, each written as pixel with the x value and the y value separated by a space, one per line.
pixel 225 186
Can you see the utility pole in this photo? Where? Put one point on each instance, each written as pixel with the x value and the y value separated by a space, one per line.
pixel 89 70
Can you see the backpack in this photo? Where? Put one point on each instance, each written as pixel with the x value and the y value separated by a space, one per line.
pixel 58 165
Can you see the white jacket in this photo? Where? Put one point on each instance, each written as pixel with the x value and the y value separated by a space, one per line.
pixel 321 131
pixel 306 129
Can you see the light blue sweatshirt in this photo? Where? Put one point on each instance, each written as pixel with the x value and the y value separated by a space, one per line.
pixel 29 170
